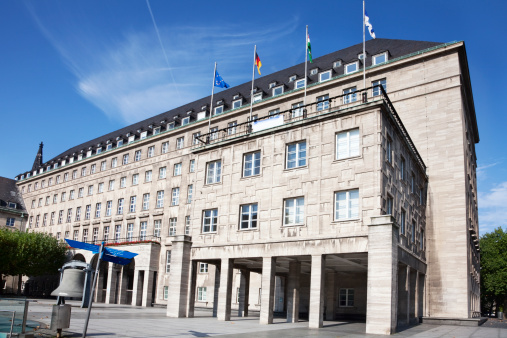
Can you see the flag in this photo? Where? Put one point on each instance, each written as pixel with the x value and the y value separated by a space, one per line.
pixel 368 24
pixel 258 63
pixel 309 47
pixel 219 82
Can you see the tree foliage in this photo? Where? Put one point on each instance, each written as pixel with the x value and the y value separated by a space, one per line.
pixel 494 267
pixel 30 254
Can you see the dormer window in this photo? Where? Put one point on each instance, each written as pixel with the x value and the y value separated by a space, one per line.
pixel 277 90
pixel 201 115
pixel 88 154
pixel 314 71
pixel 132 138
pixel 119 143
pixel 235 97
pixel 325 76
pixel 292 78
pixel 156 131
pixel 170 126
pixel 12 205
pixel 185 121
pixel 236 104
pixel 71 160
pixel 272 84
pixel 300 84
pixel 109 146
pixel 79 157
pixel 204 107
pixel 352 67
pixel 360 56
pixel 337 64
pixel 380 58
pixel 218 110
pixel 99 150
pixel 144 134
pixel 257 97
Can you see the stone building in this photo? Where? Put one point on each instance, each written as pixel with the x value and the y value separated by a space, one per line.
pixel 354 201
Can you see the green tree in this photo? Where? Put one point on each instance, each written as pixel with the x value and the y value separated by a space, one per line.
pixel 30 254
pixel 494 268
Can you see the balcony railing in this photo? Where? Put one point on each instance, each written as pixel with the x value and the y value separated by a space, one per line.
pixel 125 240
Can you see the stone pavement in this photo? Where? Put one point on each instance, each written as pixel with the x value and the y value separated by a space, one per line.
pixel 127 321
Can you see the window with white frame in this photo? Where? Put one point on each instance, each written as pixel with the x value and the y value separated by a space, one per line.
pixel 322 102
pixel 143 135
pixel 190 192
pixel 78 215
pixel 130 232
pixel 296 155
pixel 69 215
pixel 350 95
pixel 209 220
pixel 389 150
pixel 170 125
pixel 231 128
pixel 380 58
pixel 125 159
pixel 325 76
pixel 347 144
pixel 376 91
pixel 177 169
pixel 185 121
pixel 10 221
pixel 195 138
pixel 67 234
pixel 248 216
pixel 76 235
pixel 252 164
pixel 111 185
pixel 165 147
pixel 102 165
pixel 156 130
pixel 117 233
pixel 278 90
pixel 337 64
pixel 192 166
pixel 402 221
pixel 187 225
pixel 74 174
pixel 179 142
pixel 137 155
pixel 299 84
pixel 80 193
pixel 65 178
pixel 85 235
pixel 257 97
pixel 88 210
pixel 93 169
pixel 132 207
pixel 160 198
pixel 218 110
pixel 151 151
pixel 71 197
pixel 90 190
pixel 147 176
pixel 37 219
pixel 143 227
pixel 168 261
pixel 109 146
pixel 402 168
pixel 114 162
pixel 162 172
pixel 98 206
pixel 213 172
pixel 352 67
pixel 175 200
pixel 100 187
pixel 294 211
pixel 109 208
pixel 120 206
pixel 95 235
pixel 83 173
pixel 203 267
pixel 157 225
pixel 346 205
pixel 172 226
pixel 146 201
pixel 346 297
pixel 214 133
pixel 131 138
pixel 166 292
pixel 314 71
pixel 135 179
pixel 297 109
pixel 236 104
pixel 201 294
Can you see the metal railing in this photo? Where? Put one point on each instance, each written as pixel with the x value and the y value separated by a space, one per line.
pixel 125 240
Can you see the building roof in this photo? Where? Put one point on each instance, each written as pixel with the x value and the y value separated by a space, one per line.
pixel 395 49
pixel 9 193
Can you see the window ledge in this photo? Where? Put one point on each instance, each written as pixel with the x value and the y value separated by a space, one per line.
pixel 346 220
pixel 347 158
pixel 250 177
pixel 296 168
pixel 293 225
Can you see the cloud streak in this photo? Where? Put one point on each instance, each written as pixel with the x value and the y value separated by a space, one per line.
pixel 493 208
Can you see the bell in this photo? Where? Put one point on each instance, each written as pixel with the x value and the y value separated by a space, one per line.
pixel 71 285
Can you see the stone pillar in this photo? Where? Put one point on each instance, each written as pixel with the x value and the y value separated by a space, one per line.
pixel 225 293
pixel 316 315
pixel 413 296
pixel 330 299
pixel 122 297
pixel 147 288
pixel 420 295
pixel 268 290
pixel 381 302
pixel 179 276
pixel 246 275
pixel 111 283
pixel 242 295
pixel 293 292
pixel 137 288
pixel 216 290
pixel 192 289
pixel 403 296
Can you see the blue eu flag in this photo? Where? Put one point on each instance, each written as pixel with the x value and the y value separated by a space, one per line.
pixel 219 82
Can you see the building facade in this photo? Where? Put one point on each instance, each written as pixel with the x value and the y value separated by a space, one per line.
pixel 354 201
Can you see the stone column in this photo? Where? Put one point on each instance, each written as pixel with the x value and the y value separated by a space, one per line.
pixel 293 292
pixel 216 290
pixel 268 290
pixel 243 296
pixel 403 296
pixel 179 276
pixel 137 288
pixel 420 294
pixel 225 293
pixel 413 296
pixel 316 315
pixel 147 288
pixel 122 298
pixel 381 303
pixel 111 283
pixel 192 289
pixel 330 299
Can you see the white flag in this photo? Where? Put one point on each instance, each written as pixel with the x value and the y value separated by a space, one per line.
pixel 368 24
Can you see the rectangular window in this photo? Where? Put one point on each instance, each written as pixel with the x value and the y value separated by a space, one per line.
pixel 294 211
pixel 93 169
pixel 160 199
pixel 322 102
pixel 102 165
pixel 90 190
pixel 170 126
pixel 185 121
pixel 379 58
pixel 123 182
pixel 69 215
pixel 324 76
pixel 142 230
pixel 231 128
pixel 95 235
pixel 80 192
pixel 201 294
pixel 130 232
pixel 135 179
pixel 412 183
pixel 166 292
pixel 156 130
pixel 146 201
pixel 175 196
pixel 114 162
pixel 389 150
pixel 40 200
pixel 137 156
pixel 214 172
pixel 67 234
pixel 162 172
pixel 37 219
pixel 236 104
pixel 248 216
pixel 252 164
pixel 412 234
pixel 45 219
pixel 83 173
pixel 109 208
pixel 402 168
pixel 214 133
pixel 389 205
pixel 195 138
pixel 203 267
pixel 65 178
pixel 76 235
pixel 297 109
pixel 421 243
pixel 219 110
pixel 180 142
pixel 147 176
pixel 346 297
pixel 168 261
pixel 111 185
pixel 98 206
pixel 376 89
pixel 257 97
pixel 120 206
pixel 78 215
pixel 117 233
pixel 347 144
pixel 151 151
pixel 347 205
pixel 71 197
pixel 352 67
pixel 125 159
pixel 55 200
pixel 190 191
pixel 350 95
pixel 192 166
pixel 187 225
pixel 296 155
pixel 132 207
pixel 156 227
pixel 277 90
pixel 74 174
pixel 172 226
pixel 85 235
pixel 165 147
pixel 88 210
pixel 209 220
pixel 101 187
pixel 143 135
pixel 402 221
pixel 177 169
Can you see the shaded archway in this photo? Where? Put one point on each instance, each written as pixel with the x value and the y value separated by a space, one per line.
pixel 127 283
pixel 79 257
pixel 100 291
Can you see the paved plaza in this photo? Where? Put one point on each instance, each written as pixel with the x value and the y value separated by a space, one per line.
pixel 111 320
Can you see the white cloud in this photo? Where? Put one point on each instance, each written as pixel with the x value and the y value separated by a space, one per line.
pixel 481 170
pixel 493 208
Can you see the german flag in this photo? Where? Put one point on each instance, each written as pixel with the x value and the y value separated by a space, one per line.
pixel 258 63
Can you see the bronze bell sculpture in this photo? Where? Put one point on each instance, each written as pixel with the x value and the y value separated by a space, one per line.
pixel 71 285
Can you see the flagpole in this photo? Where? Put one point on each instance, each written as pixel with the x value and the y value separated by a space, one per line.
pixel 211 103
pixel 364 50
pixel 97 267
pixel 306 64
pixel 253 77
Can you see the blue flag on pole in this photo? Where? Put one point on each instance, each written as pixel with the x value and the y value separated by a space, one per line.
pixel 219 82
pixel 368 24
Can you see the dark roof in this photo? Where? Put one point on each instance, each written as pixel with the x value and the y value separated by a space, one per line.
pixel 9 193
pixel 395 48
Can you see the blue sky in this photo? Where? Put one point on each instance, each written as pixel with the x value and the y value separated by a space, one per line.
pixel 75 70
